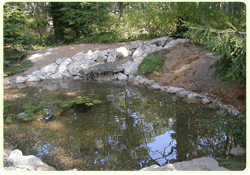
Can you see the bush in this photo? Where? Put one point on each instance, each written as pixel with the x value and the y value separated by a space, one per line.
pixel 151 63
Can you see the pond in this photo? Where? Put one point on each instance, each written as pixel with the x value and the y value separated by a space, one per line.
pixel 132 128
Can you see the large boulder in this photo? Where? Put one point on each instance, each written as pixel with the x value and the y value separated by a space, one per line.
pixel 131 68
pixel 176 42
pixel 74 68
pixel 238 151
pixel 78 57
pixel 120 76
pixel 50 69
pixel 20 79
pixel 122 52
pixel 64 65
pixel 138 53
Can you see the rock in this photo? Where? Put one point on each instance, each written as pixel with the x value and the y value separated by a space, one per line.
pixel 175 42
pixel 45 168
pixel 74 68
pixel 138 60
pixel 182 93
pixel 78 57
pixel 146 49
pixel 50 69
pixel 142 80
pixel 200 164
pixel 59 61
pixel 101 57
pixel 149 82
pixel 138 53
pixel 67 75
pixel 150 168
pixel 155 86
pixel 64 65
pixel 173 90
pixel 205 100
pixel 20 79
pixel 122 52
pixel 130 68
pixel 32 78
pixel 77 78
pixel 56 76
pixel 135 45
pixel 120 76
pixel 29 162
pixel 238 151
pixel 110 59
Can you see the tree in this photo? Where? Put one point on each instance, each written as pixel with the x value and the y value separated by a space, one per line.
pixel 16 40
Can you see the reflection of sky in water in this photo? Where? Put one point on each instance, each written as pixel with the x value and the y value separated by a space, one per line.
pixel 161 146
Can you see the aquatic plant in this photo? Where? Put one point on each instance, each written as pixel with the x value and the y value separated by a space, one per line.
pixel 32 112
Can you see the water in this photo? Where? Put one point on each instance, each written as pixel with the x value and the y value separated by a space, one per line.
pixel 132 128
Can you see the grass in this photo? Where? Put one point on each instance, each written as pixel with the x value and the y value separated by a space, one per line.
pixel 17 68
pixel 234 163
pixel 151 63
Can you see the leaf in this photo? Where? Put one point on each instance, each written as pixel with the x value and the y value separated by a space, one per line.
pixel 9 119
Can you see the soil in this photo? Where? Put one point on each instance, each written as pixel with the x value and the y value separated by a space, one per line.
pixel 185 66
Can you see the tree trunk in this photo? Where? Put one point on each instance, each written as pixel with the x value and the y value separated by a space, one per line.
pixel 121 9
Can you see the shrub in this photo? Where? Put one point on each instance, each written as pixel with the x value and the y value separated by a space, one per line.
pixel 151 63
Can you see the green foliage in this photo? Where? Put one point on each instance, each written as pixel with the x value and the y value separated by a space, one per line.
pixel 6 107
pixel 16 68
pixel 151 63
pixel 234 126
pixel 16 40
pixel 32 112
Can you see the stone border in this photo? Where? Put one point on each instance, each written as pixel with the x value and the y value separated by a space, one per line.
pixel 81 66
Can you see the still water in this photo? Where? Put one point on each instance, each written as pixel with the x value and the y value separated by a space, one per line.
pixel 132 128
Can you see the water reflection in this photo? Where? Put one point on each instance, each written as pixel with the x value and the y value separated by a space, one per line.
pixel 132 128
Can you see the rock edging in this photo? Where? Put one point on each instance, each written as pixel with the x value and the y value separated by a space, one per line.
pixel 200 164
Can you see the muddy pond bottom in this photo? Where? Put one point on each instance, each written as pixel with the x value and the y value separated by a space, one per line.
pixel 133 127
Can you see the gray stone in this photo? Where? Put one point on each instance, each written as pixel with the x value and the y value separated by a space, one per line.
pixel 146 49
pixel 176 42
pixel 101 57
pixel 173 90
pixel 32 78
pixel 182 93
pixel 64 65
pixel 130 68
pixel 122 52
pixel 78 57
pixel 110 59
pixel 156 86
pixel 138 60
pixel 77 78
pixel 205 100
pixel 50 69
pixel 59 61
pixel 74 68
pixel 150 168
pixel 20 79
pixel 45 168
pixel 149 82
pixel 159 41
pixel 67 75
pixel 135 45
pixel 238 151
pixel 56 76
pixel 138 53
pixel 120 76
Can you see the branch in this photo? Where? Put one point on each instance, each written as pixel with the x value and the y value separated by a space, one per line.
pixel 219 31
